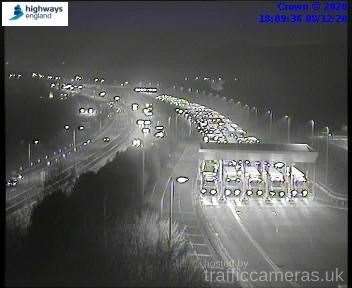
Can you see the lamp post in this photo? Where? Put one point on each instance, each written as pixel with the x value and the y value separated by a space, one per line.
pixel 74 139
pixel 180 180
pixel 35 142
pixel 138 143
pixel 288 127
pixel 256 116
pixel 270 121
pixel 246 108
pixel 312 126
pixel 190 127
pixel 327 155
pixel 143 159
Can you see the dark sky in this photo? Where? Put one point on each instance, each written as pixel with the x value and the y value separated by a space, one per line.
pixel 155 39
pixel 125 34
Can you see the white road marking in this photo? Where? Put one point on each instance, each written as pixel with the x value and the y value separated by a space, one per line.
pixel 257 246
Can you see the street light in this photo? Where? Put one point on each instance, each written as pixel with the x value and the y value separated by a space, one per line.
pixel 256 116
pixel 138 143
pixel 327 155
pixel 270 121
pixel 35 142
pixel 312 122
pixel 180 180
pixel 246 107
pixel 288 127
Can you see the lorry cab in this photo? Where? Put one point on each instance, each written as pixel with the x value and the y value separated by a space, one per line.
pixel 276 183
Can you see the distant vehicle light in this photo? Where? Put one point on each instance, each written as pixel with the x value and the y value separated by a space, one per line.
pixel 259 192
pixel 159 134
pixel 213 191
pixel 135 106
pixel 237 192
pixel 304 193
pixel 148 112
pixel 146 89
pixel 228 192
pixel 282 194
pixel 136 142
pixel 279 165
pixel 102 94
pixel 203 191
pixel 249 192
pixel 145 131
pixel 182 179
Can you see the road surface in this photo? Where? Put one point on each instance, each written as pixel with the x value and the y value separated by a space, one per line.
pixel 311 236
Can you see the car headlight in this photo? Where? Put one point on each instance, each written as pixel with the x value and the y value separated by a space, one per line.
pixel 293 193
pixel 304 193
pixel 237 192
pixel 213 191
pixel 227 192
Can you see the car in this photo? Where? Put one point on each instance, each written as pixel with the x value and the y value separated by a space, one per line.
pixel 12 182
pixel 106 139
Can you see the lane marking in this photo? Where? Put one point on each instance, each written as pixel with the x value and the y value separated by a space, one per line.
pixel 199 244
pixel 330 193
pixel 258 247
pixel 200 255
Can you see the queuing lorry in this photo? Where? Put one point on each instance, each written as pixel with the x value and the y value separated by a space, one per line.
pixel 209 177
pixel 276 183
pixel 209 169
pixel 254 182
pixel 299 183
pixel 233 181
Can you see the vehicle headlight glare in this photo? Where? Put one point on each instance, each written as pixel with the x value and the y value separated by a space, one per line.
pixel 227 192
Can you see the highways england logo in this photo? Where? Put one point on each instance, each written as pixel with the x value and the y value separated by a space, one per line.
pixel 17 12
pixel 35 14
